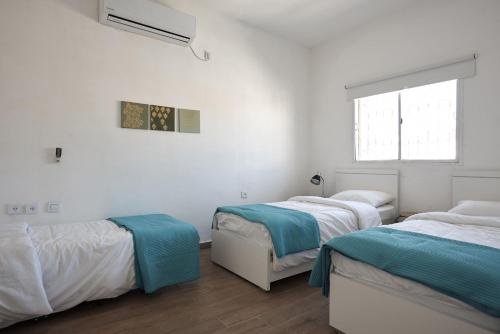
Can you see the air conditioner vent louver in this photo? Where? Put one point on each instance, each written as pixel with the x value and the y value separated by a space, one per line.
pixel 147 29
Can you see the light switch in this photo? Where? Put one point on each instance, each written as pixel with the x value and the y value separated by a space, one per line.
pixel 31 209
pixel 53 207
pixel 14 209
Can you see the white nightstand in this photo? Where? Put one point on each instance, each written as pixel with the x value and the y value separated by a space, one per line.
pixel 404 215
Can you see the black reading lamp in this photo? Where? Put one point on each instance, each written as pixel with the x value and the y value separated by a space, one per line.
pixel 317 180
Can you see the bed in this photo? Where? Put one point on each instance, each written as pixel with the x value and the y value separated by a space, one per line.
pixel 52 268
pixel 364 299
pixel 247 250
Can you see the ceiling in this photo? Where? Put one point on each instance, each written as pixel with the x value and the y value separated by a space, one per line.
pixel 308 22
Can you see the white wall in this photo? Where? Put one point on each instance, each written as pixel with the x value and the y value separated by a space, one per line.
pixel 429 33
pixel 62 76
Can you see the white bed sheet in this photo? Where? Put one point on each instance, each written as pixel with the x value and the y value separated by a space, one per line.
pixel 77 262
pixel 332 221
pixel 361 272
pixel 22 293
pixel 84 261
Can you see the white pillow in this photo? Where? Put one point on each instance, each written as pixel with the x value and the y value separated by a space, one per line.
pixel 477 208
pixel 371 197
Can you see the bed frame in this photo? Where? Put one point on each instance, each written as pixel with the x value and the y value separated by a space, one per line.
pixel 253 262
pixel 476 185
pixel 358 308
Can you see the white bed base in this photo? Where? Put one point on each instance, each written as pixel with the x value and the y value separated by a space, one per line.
pixel 356 308
pixel 252 261
pixel 249 259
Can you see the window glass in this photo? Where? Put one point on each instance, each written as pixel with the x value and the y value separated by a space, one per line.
pixel 429 122
pixel 412 124
pixel 377 127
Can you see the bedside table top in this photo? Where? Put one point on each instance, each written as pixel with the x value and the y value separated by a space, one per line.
pixel 407 214
pixel 404 215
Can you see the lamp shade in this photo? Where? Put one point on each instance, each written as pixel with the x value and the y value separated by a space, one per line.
pixel 316 180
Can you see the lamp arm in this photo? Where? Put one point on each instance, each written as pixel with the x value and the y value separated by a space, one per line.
pixel 323 186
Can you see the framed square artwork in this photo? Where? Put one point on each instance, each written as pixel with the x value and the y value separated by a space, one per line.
pixel 162 118
pixel 134 115
pixel 189 121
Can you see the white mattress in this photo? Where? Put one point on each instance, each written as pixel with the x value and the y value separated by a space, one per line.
pixel 333 221
pixel 417 292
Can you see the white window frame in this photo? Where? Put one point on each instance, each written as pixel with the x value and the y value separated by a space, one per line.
pixel 459 138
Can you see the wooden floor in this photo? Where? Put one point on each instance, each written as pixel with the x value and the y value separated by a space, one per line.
pixel 220 302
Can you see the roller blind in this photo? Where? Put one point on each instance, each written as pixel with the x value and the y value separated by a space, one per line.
pixel 457 69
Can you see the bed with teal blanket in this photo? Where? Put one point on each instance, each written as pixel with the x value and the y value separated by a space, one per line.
pixel 466 271
pixel 166 250
pixel 291 231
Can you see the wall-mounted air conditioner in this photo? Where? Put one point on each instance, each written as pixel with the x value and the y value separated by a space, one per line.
pixel 149 19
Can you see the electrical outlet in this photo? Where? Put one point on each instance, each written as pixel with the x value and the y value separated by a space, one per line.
pixel 53 207
pixel 244 195
pixel 31 209
pixel 14 209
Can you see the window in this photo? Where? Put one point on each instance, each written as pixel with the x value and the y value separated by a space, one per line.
pixel 412 124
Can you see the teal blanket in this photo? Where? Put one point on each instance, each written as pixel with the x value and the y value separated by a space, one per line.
pixel 291 230
pixel 167 250
pixel 465 271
